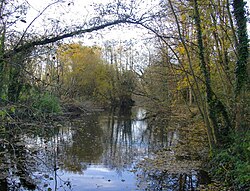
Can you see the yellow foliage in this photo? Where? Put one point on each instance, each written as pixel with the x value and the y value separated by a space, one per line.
pixel 182 84
pixel 84 71
pixel 180 49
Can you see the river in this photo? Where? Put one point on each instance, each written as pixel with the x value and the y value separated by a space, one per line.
pixel 106 151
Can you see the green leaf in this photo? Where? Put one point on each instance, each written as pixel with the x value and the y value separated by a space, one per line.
pixel 13 109
pixel 2 113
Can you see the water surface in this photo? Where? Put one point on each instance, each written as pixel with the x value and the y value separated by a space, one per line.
pixel 105 151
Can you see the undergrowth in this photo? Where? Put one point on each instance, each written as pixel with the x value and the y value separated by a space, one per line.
pixel 47 103
pixel 231 165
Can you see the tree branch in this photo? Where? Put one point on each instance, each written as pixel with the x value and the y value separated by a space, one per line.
pixel 25 31
pixel 45 41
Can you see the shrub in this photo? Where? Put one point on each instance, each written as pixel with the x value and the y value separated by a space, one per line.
pixel 232 165
pixel 47 103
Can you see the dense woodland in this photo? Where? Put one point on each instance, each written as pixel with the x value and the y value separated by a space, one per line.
pixel 199 63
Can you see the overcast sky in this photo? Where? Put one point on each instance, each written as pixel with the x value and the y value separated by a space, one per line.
pixel 75 11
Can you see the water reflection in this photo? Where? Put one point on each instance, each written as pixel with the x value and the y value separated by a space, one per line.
pixel 123 141
pixel 85 145
pixel 111 151
pixel 176 165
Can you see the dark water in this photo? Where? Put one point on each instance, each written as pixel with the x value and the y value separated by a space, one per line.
pixel 98 152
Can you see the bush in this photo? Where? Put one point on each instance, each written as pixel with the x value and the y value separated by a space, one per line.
pixel 47 103
pixel 232 165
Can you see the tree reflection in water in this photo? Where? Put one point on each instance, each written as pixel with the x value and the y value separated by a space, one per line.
pixel 120 142
pixel 176 165
pixel 85 146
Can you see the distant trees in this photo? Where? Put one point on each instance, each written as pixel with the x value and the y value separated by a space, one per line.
pixel 86 75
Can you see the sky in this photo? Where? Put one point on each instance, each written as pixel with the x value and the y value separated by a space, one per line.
pixel 75 11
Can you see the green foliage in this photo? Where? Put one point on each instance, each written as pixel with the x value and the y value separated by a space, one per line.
pixel 232 165
pixel 2 114
pixel 7 112
pixel 47 103
pixel 242 46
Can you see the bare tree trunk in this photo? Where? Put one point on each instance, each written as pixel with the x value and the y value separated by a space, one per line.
pixel 190 95
pixel 2 61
